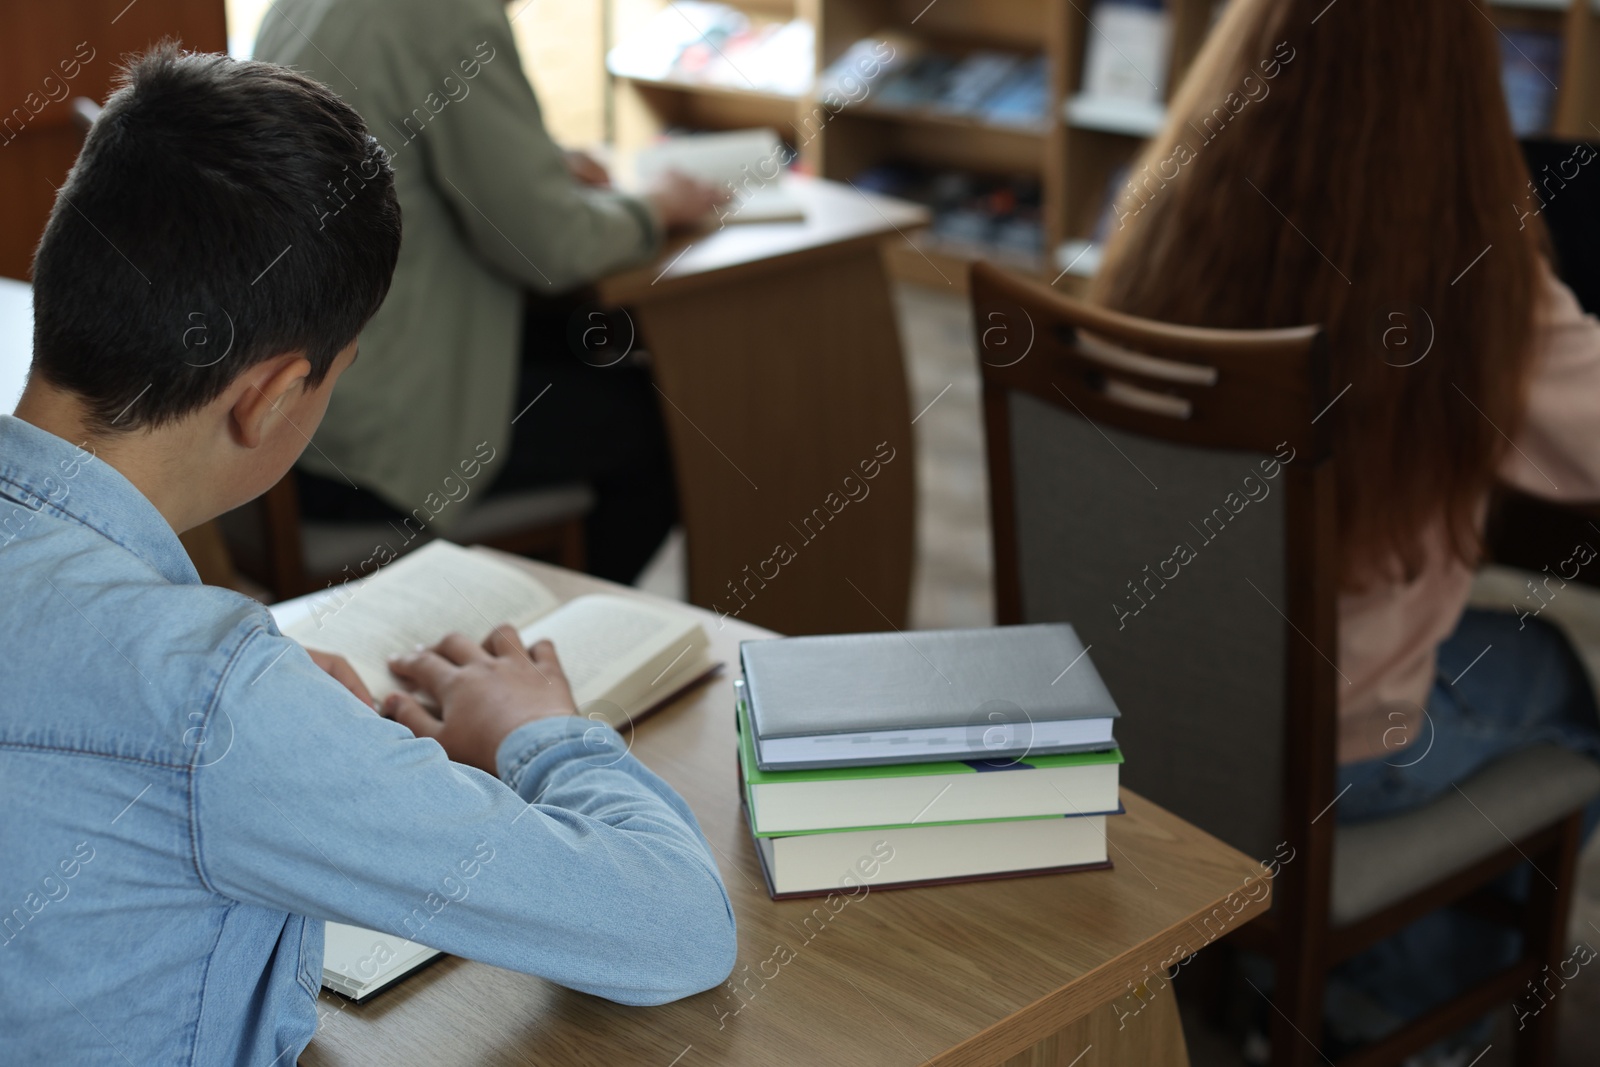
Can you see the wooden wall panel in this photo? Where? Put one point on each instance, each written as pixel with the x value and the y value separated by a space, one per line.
pixel 49 55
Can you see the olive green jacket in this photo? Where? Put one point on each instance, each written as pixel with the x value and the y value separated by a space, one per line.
pixel 490 211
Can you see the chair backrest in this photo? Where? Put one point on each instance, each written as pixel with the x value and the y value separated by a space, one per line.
pixel 1169 492
pixel 264 538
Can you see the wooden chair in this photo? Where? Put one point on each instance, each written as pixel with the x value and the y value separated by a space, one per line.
pixel 274 545
pixel 1114 444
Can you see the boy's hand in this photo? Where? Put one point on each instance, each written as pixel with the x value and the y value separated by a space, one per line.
pixel 483 692
pixel 344 674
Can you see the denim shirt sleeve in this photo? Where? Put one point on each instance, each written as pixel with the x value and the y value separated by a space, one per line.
pixel 582 866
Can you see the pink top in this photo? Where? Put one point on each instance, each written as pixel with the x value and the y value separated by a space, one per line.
pixel 1388 635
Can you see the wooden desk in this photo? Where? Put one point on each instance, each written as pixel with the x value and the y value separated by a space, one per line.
pixel 1023 972
pixel 778 361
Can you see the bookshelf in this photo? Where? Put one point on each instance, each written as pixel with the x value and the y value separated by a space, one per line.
pixel 1064 161
pixel 1574 28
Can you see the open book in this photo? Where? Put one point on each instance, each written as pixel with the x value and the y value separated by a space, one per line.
pixel 750 163
pixel 624 656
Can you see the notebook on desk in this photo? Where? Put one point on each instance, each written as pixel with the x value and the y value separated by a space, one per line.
pixel 357 963
pixel 625 658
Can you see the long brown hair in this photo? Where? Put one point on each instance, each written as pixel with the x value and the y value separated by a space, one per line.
pixel 1354 168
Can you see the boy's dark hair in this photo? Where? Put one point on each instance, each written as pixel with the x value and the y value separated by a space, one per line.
pixel 221 213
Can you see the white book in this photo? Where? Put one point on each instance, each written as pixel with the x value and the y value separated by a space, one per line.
pixel 358 963
pixel 1127 49
pixel 929 743
pixel 750 163
pixel 624 657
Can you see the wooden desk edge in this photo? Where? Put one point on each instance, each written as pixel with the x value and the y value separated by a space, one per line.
pixel 1095 991
pixel 640 285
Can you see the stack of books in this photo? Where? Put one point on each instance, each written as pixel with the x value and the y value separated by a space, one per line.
pixel 913 759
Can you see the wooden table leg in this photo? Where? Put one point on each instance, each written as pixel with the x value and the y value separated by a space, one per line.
pixel 1151 1036
pixel 785 396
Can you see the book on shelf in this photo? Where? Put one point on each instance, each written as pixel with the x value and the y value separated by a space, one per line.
pixel 1023 99
pixel 1126 54
pixel 697 43
pixel 974 215
pixel 1005 89
pixel 900 857
pixel 921 83
pixel 1530 70
pixel 624 656
pixel 866 65
pixel 974 80
pixel 855 699
pixel 904 794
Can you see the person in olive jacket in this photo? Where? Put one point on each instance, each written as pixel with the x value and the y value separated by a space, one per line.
pixel 499 220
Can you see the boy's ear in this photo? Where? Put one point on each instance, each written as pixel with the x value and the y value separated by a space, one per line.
pixel 260 393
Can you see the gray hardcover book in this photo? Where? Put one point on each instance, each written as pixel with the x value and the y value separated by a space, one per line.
pixel 987 691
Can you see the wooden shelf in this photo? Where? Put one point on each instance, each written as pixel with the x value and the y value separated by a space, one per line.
pixel 947 119
pixel 679 85
pixel 1077 147
pixel 1110 115
pixel 691 105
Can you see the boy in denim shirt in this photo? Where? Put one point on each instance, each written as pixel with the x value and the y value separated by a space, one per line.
pixel 189 795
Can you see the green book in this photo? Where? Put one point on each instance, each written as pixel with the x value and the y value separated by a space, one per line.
pixel 925 794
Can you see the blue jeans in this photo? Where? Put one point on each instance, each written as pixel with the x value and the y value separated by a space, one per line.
pixel 1529 688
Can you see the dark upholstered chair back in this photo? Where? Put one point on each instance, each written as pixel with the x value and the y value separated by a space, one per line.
pixel 1145 486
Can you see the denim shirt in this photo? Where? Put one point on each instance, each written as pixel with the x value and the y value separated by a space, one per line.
pixel 187 798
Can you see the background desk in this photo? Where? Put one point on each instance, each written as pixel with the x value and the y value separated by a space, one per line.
pixel 1017 972
pixel 778 361
pixel 16 340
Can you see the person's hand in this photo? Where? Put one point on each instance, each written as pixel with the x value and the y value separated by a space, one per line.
pixel 587 169
pixel 344 674
pixel 679 200
pixel 483 692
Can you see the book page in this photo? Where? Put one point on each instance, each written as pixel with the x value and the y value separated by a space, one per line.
pixel 416 600
pixel 606 642
pixel 749 162
pixel 719 158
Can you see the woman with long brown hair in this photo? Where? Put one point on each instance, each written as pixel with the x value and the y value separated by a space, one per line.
pixel 1352 164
